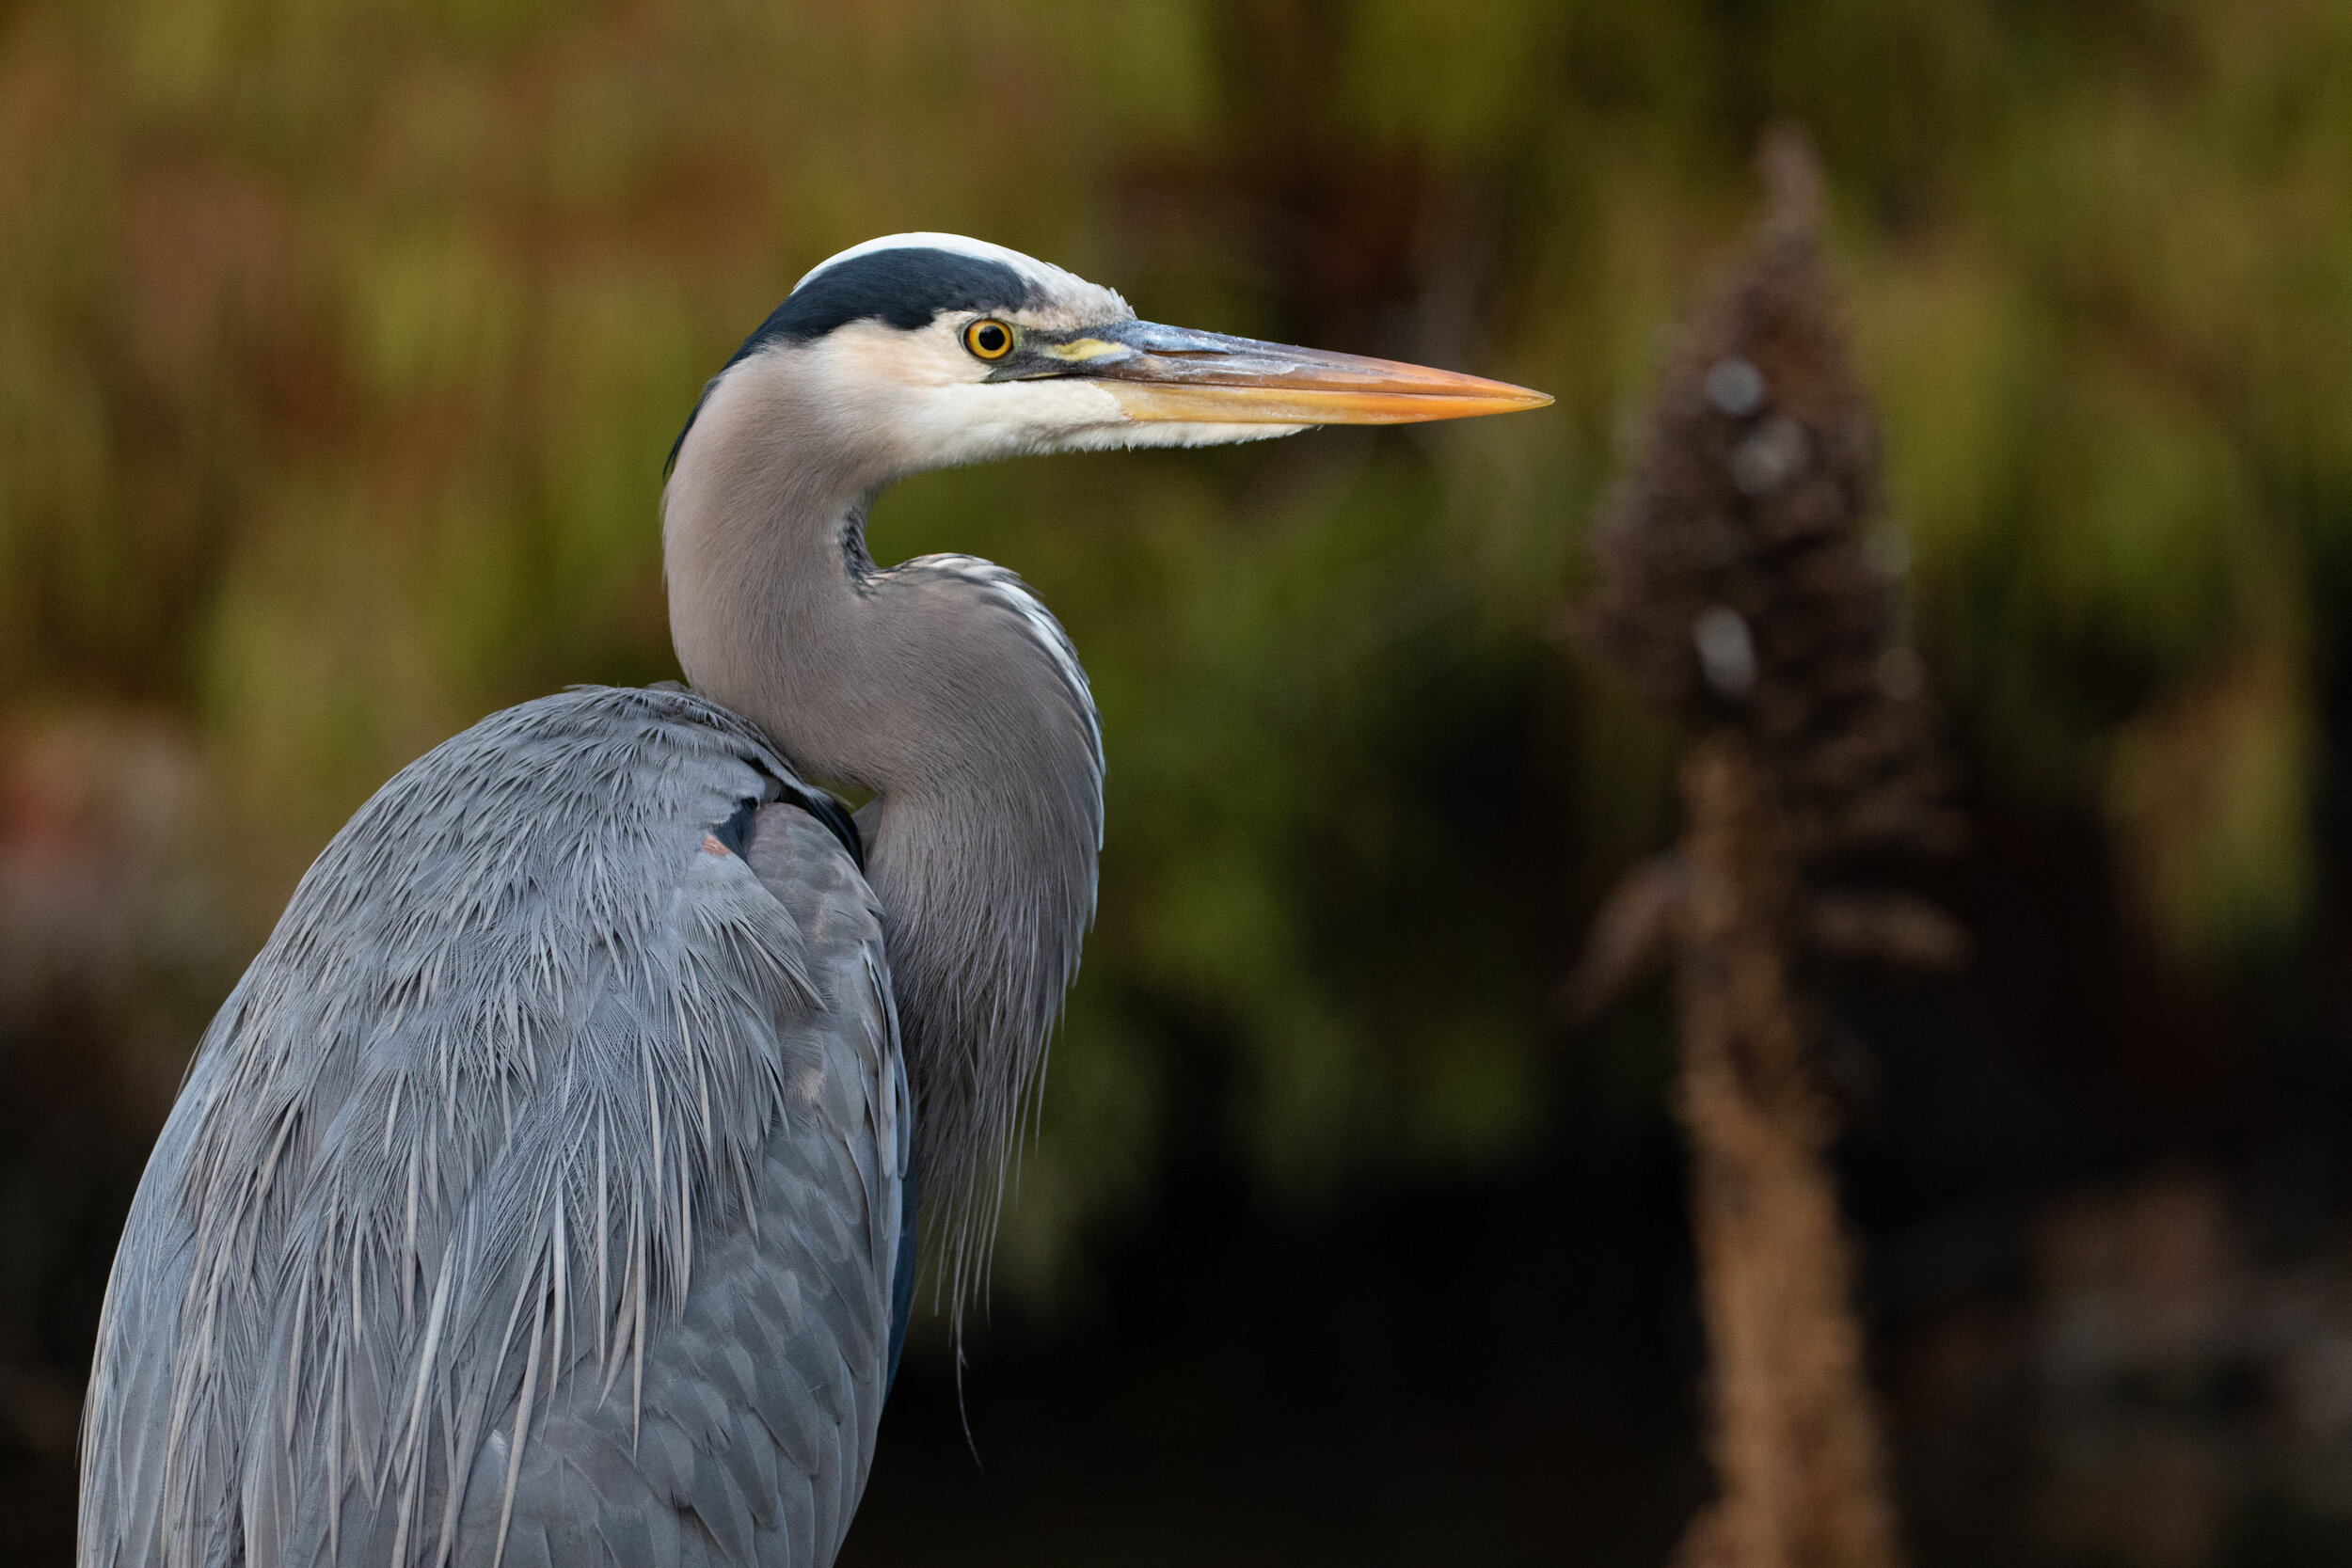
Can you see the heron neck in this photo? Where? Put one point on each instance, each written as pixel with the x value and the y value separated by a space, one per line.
pixel 941 686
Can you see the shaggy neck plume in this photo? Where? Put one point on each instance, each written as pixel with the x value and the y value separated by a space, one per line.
pixel 945 688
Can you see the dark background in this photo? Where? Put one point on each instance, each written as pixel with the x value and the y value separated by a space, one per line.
pixel 340 345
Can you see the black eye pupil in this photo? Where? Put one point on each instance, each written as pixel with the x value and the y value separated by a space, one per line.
pixel 991 339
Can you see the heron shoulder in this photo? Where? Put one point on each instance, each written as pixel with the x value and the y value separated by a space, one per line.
pixel 595 781
pixel 531 1046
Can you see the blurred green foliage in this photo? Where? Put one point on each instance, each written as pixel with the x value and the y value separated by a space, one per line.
pixel 341 343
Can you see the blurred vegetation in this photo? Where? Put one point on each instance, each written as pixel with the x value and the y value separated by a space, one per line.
pixel 340 342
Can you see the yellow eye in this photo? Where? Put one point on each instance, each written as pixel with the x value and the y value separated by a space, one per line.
pixel 988 339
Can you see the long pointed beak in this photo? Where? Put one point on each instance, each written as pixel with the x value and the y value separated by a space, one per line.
pixel 1172 373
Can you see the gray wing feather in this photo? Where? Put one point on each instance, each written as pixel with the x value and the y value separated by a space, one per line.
pixel 535 1198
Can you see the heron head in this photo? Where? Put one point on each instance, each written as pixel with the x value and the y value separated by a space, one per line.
pixel 923 351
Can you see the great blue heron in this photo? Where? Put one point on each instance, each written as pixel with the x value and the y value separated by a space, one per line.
pixel 545 1191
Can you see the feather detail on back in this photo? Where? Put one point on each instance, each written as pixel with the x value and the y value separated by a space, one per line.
pixel 539 1105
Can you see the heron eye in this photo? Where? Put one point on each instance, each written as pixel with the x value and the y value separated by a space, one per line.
pixel 988 339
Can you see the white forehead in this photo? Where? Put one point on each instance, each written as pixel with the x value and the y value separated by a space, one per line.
pixel 1059 291
pixel 1028 266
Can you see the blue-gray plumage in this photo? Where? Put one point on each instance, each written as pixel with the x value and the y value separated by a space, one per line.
pixel 706 1042
pixel 544 1192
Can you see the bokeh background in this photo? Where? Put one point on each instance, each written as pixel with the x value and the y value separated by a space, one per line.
pixel 341 343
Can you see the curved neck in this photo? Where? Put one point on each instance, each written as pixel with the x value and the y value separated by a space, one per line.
pixel 948 689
